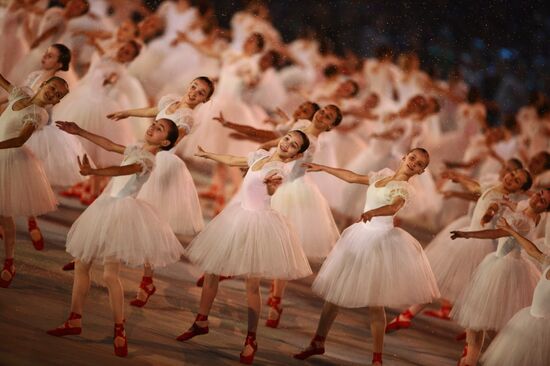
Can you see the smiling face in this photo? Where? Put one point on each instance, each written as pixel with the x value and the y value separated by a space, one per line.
pixel 50 59
pixel 157 133
pixel 539 201
pixel 324 118
pixel 304 111
pixel 289 145
pixel 50 93
pixel 515 180
pixel 198 92
pixel 415 162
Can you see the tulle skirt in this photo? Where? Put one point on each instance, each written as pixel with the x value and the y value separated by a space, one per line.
pixel 302 204
pixel 24 187
pixel 171 190
pixel 58 151
pixel 123 229
pixel 455 261
pixel 88 107
pixel 376 264
pixel 253 243
pixel 523 342
pixel 500 287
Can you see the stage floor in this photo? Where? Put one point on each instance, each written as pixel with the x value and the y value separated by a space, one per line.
pixel 39 299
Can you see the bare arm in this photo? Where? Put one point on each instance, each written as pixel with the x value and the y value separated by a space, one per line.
pixel 345 175
pixel 5 84
pixel 466 182
pixel 112 171
pixel 139 112
pixel 468 196
pixel 246 130
pixel 230 160
pixel 105 143
pixel 20 140
pixel 203 48
pixel 270 144
pixel 525 243
pixel 388 210
pixel 480 234
pixel 41 38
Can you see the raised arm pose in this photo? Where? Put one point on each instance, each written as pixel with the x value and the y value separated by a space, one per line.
pixel 524 339
pixel 249 238
pixel 118 228
pixel 25 190
pixel 374 264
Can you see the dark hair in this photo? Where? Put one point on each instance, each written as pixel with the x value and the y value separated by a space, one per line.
pixel 437 107
pixel 420 150
pixel 355 87
pixel 86 7
pixel 338 118
pixel 137 47
pixel 515 162
pixel 314 106
pixel 528 182
pixel 305 140
pixel 543 109
pixel 209 83
pixel 173 133
pixel 276 59
pixel 330 70
pixel 58 79
pixel 259 38
pixel 546 155
pixel 64 56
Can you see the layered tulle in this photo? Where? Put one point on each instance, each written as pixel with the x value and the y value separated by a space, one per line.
pixel 58 152
pixel 376 264
pixel 171 190
pixel 500 287
pixel 123 229
pixel 24 187
pixel 523 342
pixel 301 202
pixel 254 243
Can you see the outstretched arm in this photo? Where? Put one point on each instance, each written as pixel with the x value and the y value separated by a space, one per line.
pixel 466 182
pixel 112 171
pixel 105 143
pixel 138 112
pixel 246 130
pixel 388 210
pixel 525 243
pixel 479 234
pixel 230 160
pixel 345 175
pixel 468 196
pixel 5 84
pixel 18 141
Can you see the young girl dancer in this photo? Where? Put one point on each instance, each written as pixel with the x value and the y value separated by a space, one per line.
pixel 503 283
pixel 171 188
pixel 25 190
pixel 249 238
pixel 524 340
pixel 374 264
pixel 117 227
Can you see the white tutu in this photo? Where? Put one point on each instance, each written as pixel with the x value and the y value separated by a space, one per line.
pixel 171 190
pixel 254 243
pixel 376 264
pixel 58 151
pixel 24 187
pixel 124 229
pixel 455 261
pixel 524 341
pixel 302 204
pixel 500 287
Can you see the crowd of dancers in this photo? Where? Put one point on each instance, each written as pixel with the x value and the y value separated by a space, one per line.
pixel 301 144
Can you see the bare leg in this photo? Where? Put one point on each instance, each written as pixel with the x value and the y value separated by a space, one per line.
pixel 254 307
pixel 474 339
pixel 328 315
pixel 81 286
pixel 148 273
pixel 8 225
pixel 208 294
pixel 377 317
pixel 111 272
pixel 279 287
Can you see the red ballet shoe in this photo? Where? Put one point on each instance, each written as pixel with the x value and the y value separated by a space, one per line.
pixel 8 264
pixel 195 329
pixel 312 350
pixel 120 351
pixel 442 313
pixel 33 226
pixel 269 301
pixel 220 204
pixel 87 198
pixel 200 281
pixel 143 285
pixel 377 358
pixel 460 337
pixel 211 193
pixel 464 354
pixel 69 266
pixel 66 329
pixel 275 302
pixel 249 341
pixel 74 191
pixel 397 322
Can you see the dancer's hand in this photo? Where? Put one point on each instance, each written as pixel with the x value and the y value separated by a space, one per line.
pixel 312 167
pixel 201 153
pixel 273 180
pixel 220 119
pixel 117 116
pixel 455 234
pixel 69 127
pixel 449 174
pixel 84 165
pixel 489 214
pixel 281 114
pixel 366 216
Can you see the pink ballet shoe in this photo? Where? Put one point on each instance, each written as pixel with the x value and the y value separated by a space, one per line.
pixel 397 322
pixel 145 281
pixel 275 302
pixel 66 329
pixel 312 350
